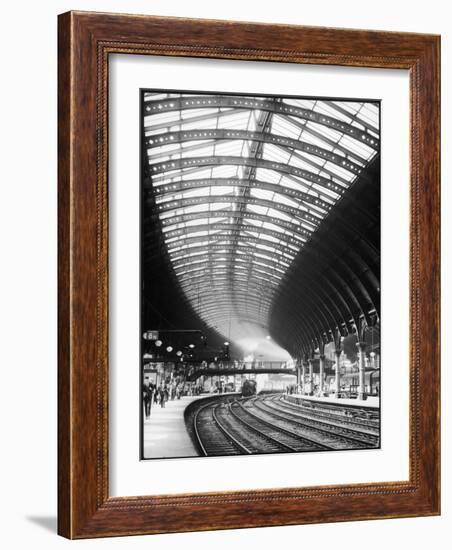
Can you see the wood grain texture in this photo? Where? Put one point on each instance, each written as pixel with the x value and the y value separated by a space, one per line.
pixel 85 42
pixel 64 296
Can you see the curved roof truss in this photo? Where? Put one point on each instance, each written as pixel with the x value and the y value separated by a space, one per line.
pixel 240 184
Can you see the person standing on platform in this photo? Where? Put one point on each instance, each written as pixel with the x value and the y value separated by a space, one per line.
pixel 147 398
pixel 152 388
pixel 165 394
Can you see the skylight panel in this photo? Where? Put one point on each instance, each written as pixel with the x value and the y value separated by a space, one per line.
pixel 265 237
pixel 342 172
pixel 268 248
pixel 190 209
pixel 303 103
pixel 172 117
pixel 222 190
pixel 293 183
pixel 307 162
pixel 235 120
pixel 273 227
pixel 205 124
pixel 280 262
pixel 156 150
pixel 279 198
pixel 189 116
pixel 275 153
pixel 185 247
pixel 224 171
pixel 188 253
pixel 221 206
pixel 263 174
pixel 370 113
pixel 257 209
pixel 330 111
pixel 200 192
pixel 156 96
pixel 200 172
pixel 285 127
pixel 264 278
pixel 326 192
pixel 168 197
pixel 307 137
pixel 190 148
pixel 324 130
pixel 253 119
pixel 358 147
pixel 229 148
pixel 273 213
pixel 250 223
pixel 276 266
pixel 351 106
pixel 199 221
pixel 261 194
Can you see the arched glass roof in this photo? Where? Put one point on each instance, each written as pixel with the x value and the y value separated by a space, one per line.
pixel 240 184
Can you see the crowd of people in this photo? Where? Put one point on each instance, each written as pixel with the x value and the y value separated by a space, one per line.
pixel 154 395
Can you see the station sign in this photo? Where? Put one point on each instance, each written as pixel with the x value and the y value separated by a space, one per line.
pixel 151 335
pixel 153 366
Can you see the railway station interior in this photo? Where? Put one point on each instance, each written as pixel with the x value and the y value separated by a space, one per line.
pixel 260 275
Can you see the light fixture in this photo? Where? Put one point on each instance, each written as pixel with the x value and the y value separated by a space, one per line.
pixel 158 343
pixel 169 349
pixel 226 343
pixel 179 353
pixel 191 346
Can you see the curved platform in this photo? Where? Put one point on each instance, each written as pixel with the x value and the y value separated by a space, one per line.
pixel 370 403
pixel 165 434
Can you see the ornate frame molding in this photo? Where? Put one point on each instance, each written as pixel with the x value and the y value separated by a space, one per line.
pixel 85 42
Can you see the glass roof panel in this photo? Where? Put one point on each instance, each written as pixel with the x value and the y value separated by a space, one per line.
pixel 247 227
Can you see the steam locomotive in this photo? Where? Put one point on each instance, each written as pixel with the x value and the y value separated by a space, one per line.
pixel 249 388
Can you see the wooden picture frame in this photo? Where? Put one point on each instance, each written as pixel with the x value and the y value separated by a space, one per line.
pixel 85 508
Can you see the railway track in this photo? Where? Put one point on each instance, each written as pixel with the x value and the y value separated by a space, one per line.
pixel 212 439
pixel 224 429
pixel 265 425
pixel 332 432
pixel 344 415
pixel 290 439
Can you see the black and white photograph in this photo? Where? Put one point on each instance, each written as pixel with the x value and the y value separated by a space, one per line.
pixel 260 274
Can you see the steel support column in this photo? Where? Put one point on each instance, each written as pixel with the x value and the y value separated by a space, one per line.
pixel 362 370
pixel 322 375
pixel 311 375
pixel 337 380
